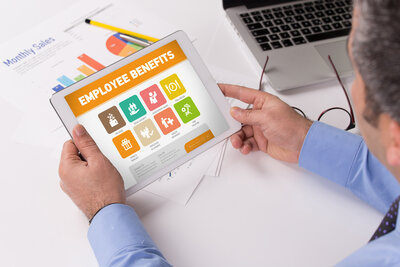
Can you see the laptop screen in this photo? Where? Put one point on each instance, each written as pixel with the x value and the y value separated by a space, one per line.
pixel 253 3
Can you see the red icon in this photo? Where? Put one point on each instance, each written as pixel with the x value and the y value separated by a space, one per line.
pixel 167 121
pixel 153 97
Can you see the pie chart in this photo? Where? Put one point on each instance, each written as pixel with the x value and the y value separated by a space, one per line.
pixel 116 45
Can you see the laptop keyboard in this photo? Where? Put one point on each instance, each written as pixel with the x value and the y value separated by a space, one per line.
pixel 297 24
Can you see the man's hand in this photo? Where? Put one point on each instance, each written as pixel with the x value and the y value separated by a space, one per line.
pixel 271 125
pixel 93 183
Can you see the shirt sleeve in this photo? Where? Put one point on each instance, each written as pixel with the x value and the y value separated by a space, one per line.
pixel 118 238
pixel 345 159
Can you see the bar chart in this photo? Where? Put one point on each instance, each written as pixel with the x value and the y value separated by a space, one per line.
pixel 114 44
pixel 89 67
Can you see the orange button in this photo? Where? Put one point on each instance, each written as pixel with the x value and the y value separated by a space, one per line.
pixel 126 144
pixel 198 141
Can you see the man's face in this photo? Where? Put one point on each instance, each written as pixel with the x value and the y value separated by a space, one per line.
pixel 373 136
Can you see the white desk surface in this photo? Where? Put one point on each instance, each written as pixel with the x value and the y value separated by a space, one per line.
pixel 259 212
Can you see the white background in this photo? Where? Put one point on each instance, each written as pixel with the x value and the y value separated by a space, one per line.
pixel 260 212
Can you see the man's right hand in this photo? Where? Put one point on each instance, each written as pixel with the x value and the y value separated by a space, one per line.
pixel 92 183
pixel 271 126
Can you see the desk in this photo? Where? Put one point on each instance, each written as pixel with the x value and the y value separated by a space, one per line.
pixel 260 212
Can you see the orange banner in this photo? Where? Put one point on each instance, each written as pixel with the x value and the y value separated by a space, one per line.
pixel 124 78
pixel 198 141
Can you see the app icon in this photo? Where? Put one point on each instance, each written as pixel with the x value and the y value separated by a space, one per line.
pixel 132 108
pixel 186 109
pixel 112 119
pixel 153 97
pixel 126 144
pixel 167 121
pixel 147 132
pixel 172 86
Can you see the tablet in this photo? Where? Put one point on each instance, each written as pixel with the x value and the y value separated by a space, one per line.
pixel 151 111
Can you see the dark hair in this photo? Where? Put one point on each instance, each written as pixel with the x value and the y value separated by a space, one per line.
pixel 376 52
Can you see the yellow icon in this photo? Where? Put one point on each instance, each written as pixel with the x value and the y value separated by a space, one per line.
pixel 172 86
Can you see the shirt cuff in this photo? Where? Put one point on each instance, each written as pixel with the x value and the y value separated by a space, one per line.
pixel 114 228
pixel 329 152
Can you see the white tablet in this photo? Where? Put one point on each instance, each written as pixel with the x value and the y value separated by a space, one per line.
pixel 151 111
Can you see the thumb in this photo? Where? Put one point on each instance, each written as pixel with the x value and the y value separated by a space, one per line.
pixel 247 116
pixel 85 143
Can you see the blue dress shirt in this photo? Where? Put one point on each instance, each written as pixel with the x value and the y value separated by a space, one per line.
pixel 119 239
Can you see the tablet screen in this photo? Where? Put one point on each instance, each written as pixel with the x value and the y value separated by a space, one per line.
pixel 148 113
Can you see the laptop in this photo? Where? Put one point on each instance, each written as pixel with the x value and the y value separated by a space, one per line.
pixel 298 37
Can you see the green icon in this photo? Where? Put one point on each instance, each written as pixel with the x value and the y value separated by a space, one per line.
pixel 132 108
pixel 187 110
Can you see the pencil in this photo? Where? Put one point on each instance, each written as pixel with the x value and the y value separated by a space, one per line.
pixel 120 30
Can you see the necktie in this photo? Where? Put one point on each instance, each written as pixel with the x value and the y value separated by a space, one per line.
pixel 388 223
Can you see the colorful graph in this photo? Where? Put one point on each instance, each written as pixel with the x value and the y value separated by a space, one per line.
pixel 90 67
pixel 116 45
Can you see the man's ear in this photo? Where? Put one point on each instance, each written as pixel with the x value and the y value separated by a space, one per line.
pixel 393 151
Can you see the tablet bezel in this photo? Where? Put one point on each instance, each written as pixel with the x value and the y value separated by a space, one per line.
pixel 69 120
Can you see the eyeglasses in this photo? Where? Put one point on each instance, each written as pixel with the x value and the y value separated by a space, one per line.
pixel 337 112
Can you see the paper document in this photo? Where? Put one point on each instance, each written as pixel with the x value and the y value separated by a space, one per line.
pixel 64 50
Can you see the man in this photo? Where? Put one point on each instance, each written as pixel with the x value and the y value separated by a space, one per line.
pixel 368 167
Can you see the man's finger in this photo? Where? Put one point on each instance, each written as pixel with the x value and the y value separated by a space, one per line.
pixel 248 116
pixel 254 144
pixel 248 131
pixel 246 148
pixel 260 139
pixel 244 94
pixel 69 152
pixel 249 145
pixel 85 143
pixel 69 156
pixel 237 140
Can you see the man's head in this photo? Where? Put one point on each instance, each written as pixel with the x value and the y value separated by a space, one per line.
pixel 374 47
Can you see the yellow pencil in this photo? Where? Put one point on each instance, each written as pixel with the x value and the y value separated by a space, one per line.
pixel 120 30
